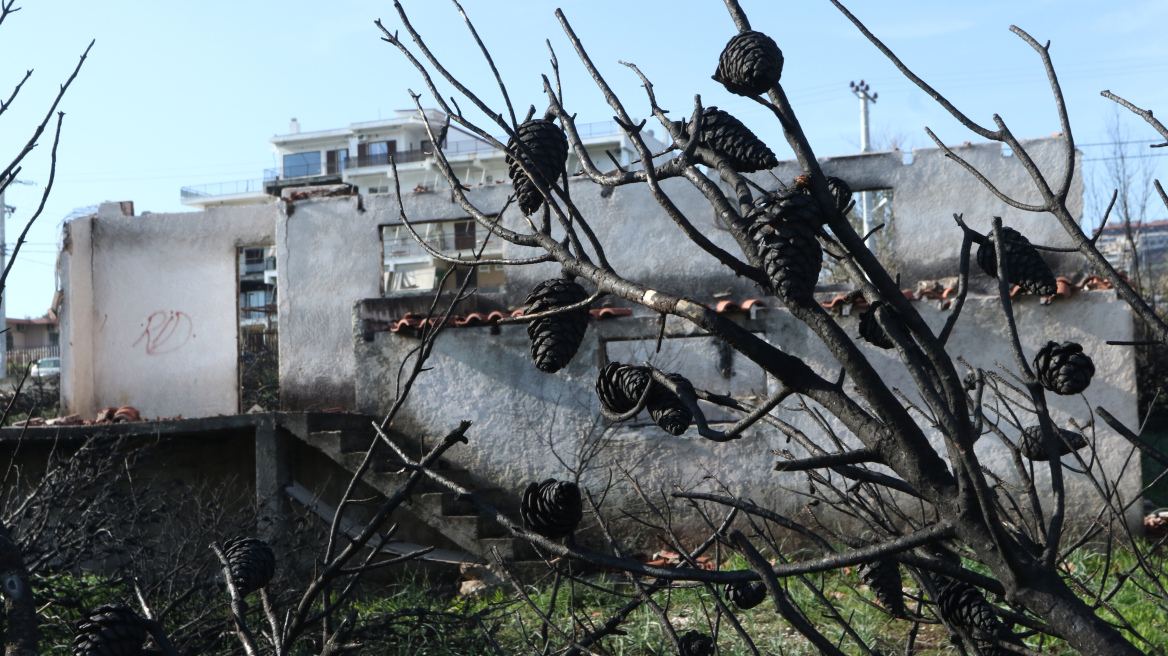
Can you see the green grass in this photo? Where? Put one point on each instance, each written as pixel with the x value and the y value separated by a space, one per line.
pixel 416 615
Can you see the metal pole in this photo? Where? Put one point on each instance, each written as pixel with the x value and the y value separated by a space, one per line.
pixel 3 298
pixel 861 91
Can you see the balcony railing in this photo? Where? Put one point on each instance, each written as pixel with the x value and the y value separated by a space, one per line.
pixel 223 188
pixel 408 247
pixel 463 147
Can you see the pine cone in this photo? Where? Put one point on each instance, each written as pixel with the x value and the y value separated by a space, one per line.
pixel 1063 368
pixel 1032 447
pixel 728 137
pixel 751 63
pixel 252 564
pixel 1023 263
pixel 552 508
pixel 667 409
pixel 841 190
pixel 549 152
pixel 114 630
pixel 747 594
pixel 883 579
pixel 785 236
pixel 871 331
pixel 695 643
pixel 962 604
pixel 555 339
pixel 620 386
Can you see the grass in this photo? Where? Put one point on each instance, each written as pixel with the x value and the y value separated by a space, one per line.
pixel 421 616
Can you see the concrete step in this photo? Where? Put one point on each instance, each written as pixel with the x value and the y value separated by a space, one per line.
pixel 512 549
pixel 449 503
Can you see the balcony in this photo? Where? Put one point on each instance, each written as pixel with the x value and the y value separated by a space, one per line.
pixel 452 246
pixel 222 189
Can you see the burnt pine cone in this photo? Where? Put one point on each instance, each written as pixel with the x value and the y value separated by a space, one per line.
pixel 549 153
pixel 750 64
pixel 667 409
pixel 695 643
pixel 883 579
pixel 252 564
pixel 620 386
pixel 784 234
pixel 746 594
pixel 1032 448
pixel 1024 265
pixel 727 136
pixel 113 630
pixel 871 331
pixel 1063 368
pixel 962 604
pixel 552 508
pixel 555 339
pixel 841 191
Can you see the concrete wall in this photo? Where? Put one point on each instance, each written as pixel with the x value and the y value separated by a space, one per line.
pixel 928 191
pixel 521 415
pixel 329 254
pixel 150 317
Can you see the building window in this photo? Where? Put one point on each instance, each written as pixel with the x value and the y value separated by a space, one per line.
pixel 253 260
pixel 376 153
pixel 335 160
pixel 54 339
pixel 301 164
pixel 409 278
pixel 464 235
pixel 8 342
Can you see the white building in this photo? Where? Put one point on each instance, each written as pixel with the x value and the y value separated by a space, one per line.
pixel 359 155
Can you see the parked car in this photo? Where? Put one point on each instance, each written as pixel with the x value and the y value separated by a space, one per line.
pixel 47 369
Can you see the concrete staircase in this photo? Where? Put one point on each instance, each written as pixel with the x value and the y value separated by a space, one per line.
pixel 345 438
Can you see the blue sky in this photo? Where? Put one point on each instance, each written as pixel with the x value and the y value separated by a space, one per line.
pixel 179 93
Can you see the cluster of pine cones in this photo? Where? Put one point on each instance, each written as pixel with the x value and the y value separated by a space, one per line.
pixel 116 630
pixel 621 386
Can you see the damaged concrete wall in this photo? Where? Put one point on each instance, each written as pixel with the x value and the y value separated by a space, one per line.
pixel 329 253
pixel 929 190
pixel 522 416
pixel 151 311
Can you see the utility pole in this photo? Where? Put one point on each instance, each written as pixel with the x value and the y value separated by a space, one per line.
pixel 861 91
pixel 4 297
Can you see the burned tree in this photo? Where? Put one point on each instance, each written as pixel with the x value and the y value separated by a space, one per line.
pixel 940 509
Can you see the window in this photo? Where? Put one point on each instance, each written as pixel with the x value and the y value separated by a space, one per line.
pixel 464 235
pixel 410 277
pixel 253 260
pixel 8 345
pixel 376 153
pixel 301 164
pixel 252 304
pixel 335 160
pixel 55 339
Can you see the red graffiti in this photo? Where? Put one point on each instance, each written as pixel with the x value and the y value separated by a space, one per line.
pixel 165 332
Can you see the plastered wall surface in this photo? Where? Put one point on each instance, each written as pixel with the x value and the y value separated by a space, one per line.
pixel 521 415
pixel 927 192
pixel 329 254
pixel 159 329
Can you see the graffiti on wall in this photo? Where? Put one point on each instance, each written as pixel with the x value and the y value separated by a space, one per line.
pixel 165 332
